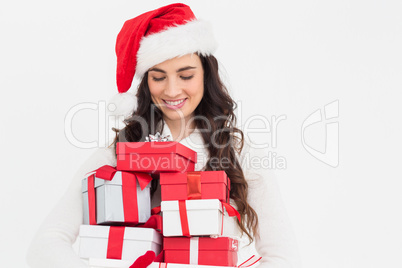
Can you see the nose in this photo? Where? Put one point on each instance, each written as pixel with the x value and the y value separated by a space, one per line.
pixel 172 88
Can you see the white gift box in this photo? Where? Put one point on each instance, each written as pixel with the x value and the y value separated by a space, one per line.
pixel 205 217
pixel 98 263
pixel 109 201
pixel 94 242
pixel 109 263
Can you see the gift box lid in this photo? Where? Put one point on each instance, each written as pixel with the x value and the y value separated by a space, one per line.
pixel 130 233
pixel 204 243
pixel 125 148
pixel 199 204
pixel 117 180
pixel 218 176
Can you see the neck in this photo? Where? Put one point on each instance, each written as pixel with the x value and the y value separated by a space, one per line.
pixel 180 129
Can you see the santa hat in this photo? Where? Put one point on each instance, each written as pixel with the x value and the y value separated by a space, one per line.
pixel 154 37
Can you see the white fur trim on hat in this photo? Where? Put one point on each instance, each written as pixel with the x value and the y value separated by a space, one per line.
pixel 194 36
pixel 122 104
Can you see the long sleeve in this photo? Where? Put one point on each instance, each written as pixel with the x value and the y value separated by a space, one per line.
pixel 276 243
pixel 52 245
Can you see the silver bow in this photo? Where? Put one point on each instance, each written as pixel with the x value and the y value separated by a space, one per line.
pixel 158 137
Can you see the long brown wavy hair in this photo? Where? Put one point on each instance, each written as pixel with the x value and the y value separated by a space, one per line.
pixel 223 140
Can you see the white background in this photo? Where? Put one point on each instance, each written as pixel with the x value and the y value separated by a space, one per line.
pixel 280 58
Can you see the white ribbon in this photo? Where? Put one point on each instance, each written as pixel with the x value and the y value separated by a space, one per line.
pixel 194 241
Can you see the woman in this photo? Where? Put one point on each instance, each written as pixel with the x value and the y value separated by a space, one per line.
pixel 180 95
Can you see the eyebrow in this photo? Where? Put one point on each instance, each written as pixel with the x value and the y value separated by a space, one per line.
pixel 178 71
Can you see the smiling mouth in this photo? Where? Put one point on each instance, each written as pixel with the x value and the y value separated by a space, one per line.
pixel 174 103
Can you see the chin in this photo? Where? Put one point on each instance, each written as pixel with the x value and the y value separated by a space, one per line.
pixel 176 116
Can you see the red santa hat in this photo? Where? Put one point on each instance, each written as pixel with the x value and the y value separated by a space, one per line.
pixel 153 37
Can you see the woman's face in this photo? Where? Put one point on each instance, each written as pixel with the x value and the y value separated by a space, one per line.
pixel 177 86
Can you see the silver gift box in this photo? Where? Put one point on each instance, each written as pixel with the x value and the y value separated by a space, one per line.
pixel 109 201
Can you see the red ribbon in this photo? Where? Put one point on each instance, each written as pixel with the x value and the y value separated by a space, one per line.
pixel 105 172
pixel 115 242
pixel 231 211
pixel 228 190
pixel 194 185
pixel 129 191
pixel 183 218
pixel 154 222
pixel 156 210
pixel 116 237
pixel 146 259
pixel 91 200
pixel 250 261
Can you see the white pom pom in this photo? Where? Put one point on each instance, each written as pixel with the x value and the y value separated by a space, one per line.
pixel 122 104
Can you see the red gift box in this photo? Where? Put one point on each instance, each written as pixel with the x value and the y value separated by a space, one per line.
pixel 195 185
pixel 155 157
pixel 221 251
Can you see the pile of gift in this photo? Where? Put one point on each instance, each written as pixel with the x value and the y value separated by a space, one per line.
pixel 120 227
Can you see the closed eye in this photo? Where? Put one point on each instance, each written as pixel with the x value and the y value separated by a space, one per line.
pixel 186 77
pixel 158 79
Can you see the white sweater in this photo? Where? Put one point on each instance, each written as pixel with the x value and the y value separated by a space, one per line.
pixel 52 245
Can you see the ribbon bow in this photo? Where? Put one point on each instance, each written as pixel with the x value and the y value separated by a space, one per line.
pixel 107 172
pixel 158 137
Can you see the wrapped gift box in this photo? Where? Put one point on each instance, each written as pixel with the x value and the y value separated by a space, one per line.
pixel 196 217
pixel 108 263
pixel 124 200
pixel 221 251
pixel 203 217
pixel 195 185
pixel 98 263
pixel 117 242
pixel 155 157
